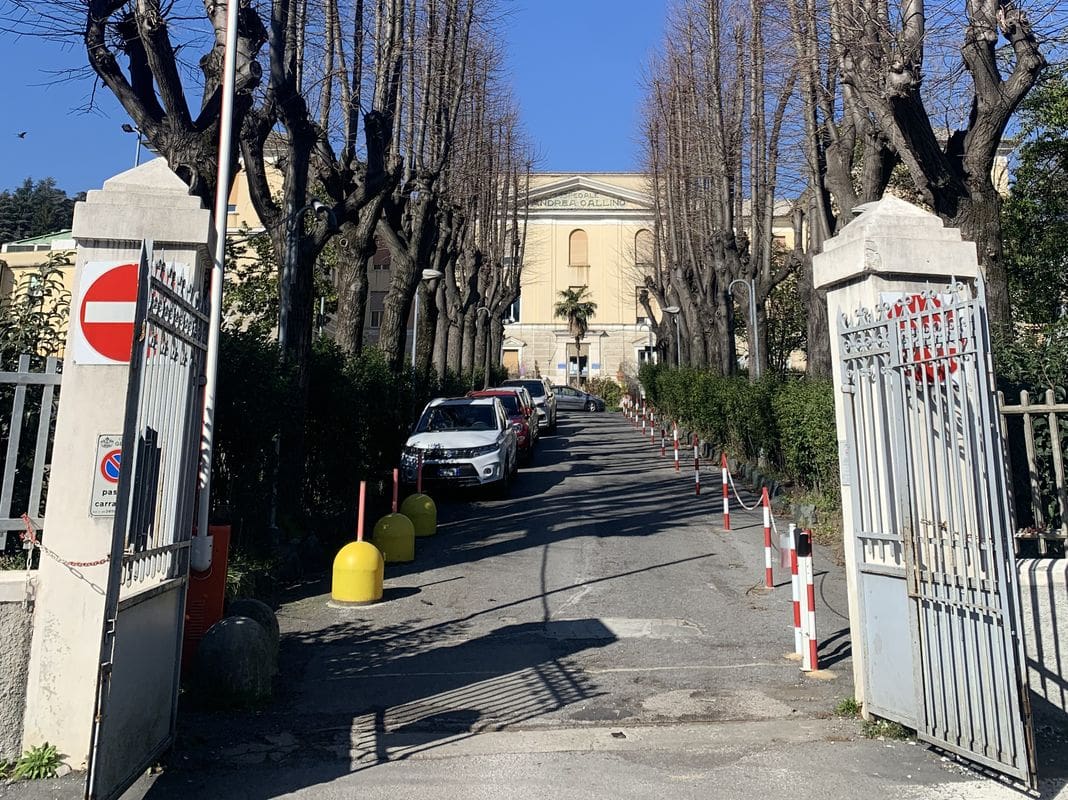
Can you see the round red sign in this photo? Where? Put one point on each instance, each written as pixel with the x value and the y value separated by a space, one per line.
pixel 106 315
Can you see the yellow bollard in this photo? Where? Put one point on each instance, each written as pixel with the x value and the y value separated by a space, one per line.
pixel 420 509
pixel 358 573
pixel 394 535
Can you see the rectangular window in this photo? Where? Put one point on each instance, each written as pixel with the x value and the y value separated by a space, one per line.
pixel 639 310
pixel 376 304
pixel 513 311
pixel 231 208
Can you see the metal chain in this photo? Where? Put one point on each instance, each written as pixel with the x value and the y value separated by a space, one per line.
pixel 30 538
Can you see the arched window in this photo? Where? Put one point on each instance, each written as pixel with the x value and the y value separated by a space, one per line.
pixel 578 249
pixel 643 248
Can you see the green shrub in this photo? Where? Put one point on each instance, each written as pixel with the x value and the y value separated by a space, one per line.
pixel 607 389
pixel 790 424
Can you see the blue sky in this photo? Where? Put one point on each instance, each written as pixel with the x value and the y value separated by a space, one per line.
pixel 576 66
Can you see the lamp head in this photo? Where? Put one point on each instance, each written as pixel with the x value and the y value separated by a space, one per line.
pixel 671 309
pixel 127 127
pixel 432 274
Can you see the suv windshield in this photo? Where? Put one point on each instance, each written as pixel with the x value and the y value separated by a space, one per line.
pixel 536 388
pixel 466 417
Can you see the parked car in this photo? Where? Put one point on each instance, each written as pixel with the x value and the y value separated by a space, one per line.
pixel 526 402
pixel 464 441
pixel 544 400
pixel 571 399
pixel 521 417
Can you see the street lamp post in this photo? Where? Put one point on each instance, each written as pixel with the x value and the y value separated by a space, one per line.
pixel 128 128
pixel 754 357
pixel 428 275
pixel 674 312
pixel 489 340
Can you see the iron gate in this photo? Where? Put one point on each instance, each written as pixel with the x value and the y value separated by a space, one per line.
pixel 145 604
pixel 933 527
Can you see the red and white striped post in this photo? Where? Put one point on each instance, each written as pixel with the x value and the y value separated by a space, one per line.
pixel 725 475
pixel 696 468
pixel 795 588
pixel 643 418
pixel 419 474
pixel 809 645
pixel 396 489
pixel 769 576
pixel 652 427
pixel 663 440
pixel 675 437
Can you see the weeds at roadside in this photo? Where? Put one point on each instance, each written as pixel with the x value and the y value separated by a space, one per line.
pixel 885 729
pixel 849 707
pixel 41 761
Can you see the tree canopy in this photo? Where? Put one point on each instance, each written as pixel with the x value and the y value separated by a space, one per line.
pixel 34 209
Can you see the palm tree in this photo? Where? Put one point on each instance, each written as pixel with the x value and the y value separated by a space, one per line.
pixel 576 307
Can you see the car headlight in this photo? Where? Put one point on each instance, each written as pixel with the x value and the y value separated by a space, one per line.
pixel 485 450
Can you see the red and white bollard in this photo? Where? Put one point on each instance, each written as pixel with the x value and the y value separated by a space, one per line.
pixel 644 412
pixel 675 436
pixel 769 577
pixel 652 427
pixel 795 588
pixel 809 645
pixel 725 475
pixel 396 489
pixel 663 441
pixel 696 468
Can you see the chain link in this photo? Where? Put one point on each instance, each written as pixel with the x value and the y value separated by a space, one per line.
pixel 29 536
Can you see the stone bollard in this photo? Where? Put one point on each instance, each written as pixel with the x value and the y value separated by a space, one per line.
pixel 233 664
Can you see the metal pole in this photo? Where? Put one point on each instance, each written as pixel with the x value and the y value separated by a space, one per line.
pixel 137 152
pixel 200 556
pixel 678 342
pixel 757 369
pixel 415 322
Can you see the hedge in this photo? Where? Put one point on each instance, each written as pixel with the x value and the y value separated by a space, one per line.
pixel 789 423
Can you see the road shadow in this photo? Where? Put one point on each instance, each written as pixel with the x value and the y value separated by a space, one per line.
pixel 356 694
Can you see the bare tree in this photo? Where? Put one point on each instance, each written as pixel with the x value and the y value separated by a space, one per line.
pixel 714 124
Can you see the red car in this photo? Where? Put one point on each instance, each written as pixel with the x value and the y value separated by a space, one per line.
pixel 518 415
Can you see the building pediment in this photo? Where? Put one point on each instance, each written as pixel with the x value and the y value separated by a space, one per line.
pixel 581 195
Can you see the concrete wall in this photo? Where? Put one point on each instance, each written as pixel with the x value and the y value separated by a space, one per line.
pixel 16 626
pixel 1044 608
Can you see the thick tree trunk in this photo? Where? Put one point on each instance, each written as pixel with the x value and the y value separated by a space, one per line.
pixel 441 333
pixel 428 323
pixel 467 361
pixel 355 245
pixel 979 220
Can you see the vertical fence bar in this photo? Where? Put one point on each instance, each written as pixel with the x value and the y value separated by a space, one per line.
pixel 44 430
pixel 1032 461
pixel 1058 460
pixel 18 406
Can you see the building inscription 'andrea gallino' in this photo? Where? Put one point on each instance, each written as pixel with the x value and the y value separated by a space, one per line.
pixel 582 199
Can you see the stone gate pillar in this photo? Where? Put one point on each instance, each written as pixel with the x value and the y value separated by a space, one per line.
pixel 891 248
pixel 147 202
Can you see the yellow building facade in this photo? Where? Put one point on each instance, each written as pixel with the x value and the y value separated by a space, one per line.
pixel 593 230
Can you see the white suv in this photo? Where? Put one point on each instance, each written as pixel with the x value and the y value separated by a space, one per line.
pixel 466 441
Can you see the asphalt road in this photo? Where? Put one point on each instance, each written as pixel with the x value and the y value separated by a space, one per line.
pixel 595 635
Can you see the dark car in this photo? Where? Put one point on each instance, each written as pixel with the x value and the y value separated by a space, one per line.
pixel 543 397
pixel 571 399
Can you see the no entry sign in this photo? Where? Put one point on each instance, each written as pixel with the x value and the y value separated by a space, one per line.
pixel 104 316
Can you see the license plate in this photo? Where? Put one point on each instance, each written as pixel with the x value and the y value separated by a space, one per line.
pixel 449 472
